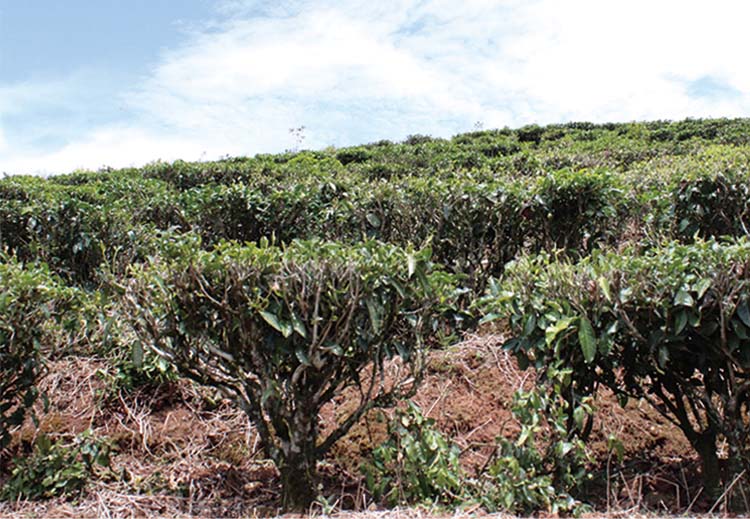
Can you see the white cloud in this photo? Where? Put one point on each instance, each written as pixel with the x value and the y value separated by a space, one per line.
pixel 518 62
pixel 115 147
pixel 288 68
pixel 360 70
pixel 616 60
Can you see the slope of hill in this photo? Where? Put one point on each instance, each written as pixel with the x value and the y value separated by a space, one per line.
pixel 338 264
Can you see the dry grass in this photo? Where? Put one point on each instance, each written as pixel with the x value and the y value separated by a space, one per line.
pixel 178 454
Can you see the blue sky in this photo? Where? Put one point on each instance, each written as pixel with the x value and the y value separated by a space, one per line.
pixel 87 84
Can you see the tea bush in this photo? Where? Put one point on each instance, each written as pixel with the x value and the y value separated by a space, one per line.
pixel 31 301
pixel 670 325
pixel 285 330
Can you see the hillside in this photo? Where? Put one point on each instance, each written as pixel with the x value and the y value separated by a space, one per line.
pixel 240 337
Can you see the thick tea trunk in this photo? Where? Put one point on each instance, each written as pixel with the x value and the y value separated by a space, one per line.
pixel 298 463
pixel 298 484
pixel 705 444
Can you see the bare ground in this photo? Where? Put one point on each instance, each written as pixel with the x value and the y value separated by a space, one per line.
pixel 183 452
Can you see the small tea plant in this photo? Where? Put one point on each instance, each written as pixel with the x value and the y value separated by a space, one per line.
pixel 417 464
pixel 55 468
pixel 543 467
pixel 539 470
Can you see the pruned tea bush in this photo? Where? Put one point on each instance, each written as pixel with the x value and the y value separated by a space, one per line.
pixel 285 330
pixel 31 301
pixel 670 325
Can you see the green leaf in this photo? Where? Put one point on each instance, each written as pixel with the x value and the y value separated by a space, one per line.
pixel 43 443
pixel 284 328
pixel 587 339
pixel 739 329
pixel 683 298
pixel 102 458
pixel 299 326
pixel 137 354
pixel 488 318
pixel 375 317
pixel 604 285
pixel 411 264
pixel 554 330
pixel 579 416
pixel 302 357
pixel 563 448
pixel 373 220
pixel 663 356
pixel 523 437
pixel 743 312
pixel 680 321
pixel 530 325
pixel 701 286
pixel 334 348
pixel 694 319
pixel 523 360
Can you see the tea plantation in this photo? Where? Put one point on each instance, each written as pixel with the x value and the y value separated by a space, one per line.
pixel 611 258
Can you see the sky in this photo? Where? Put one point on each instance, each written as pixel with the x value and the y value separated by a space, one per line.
pixel 86 84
